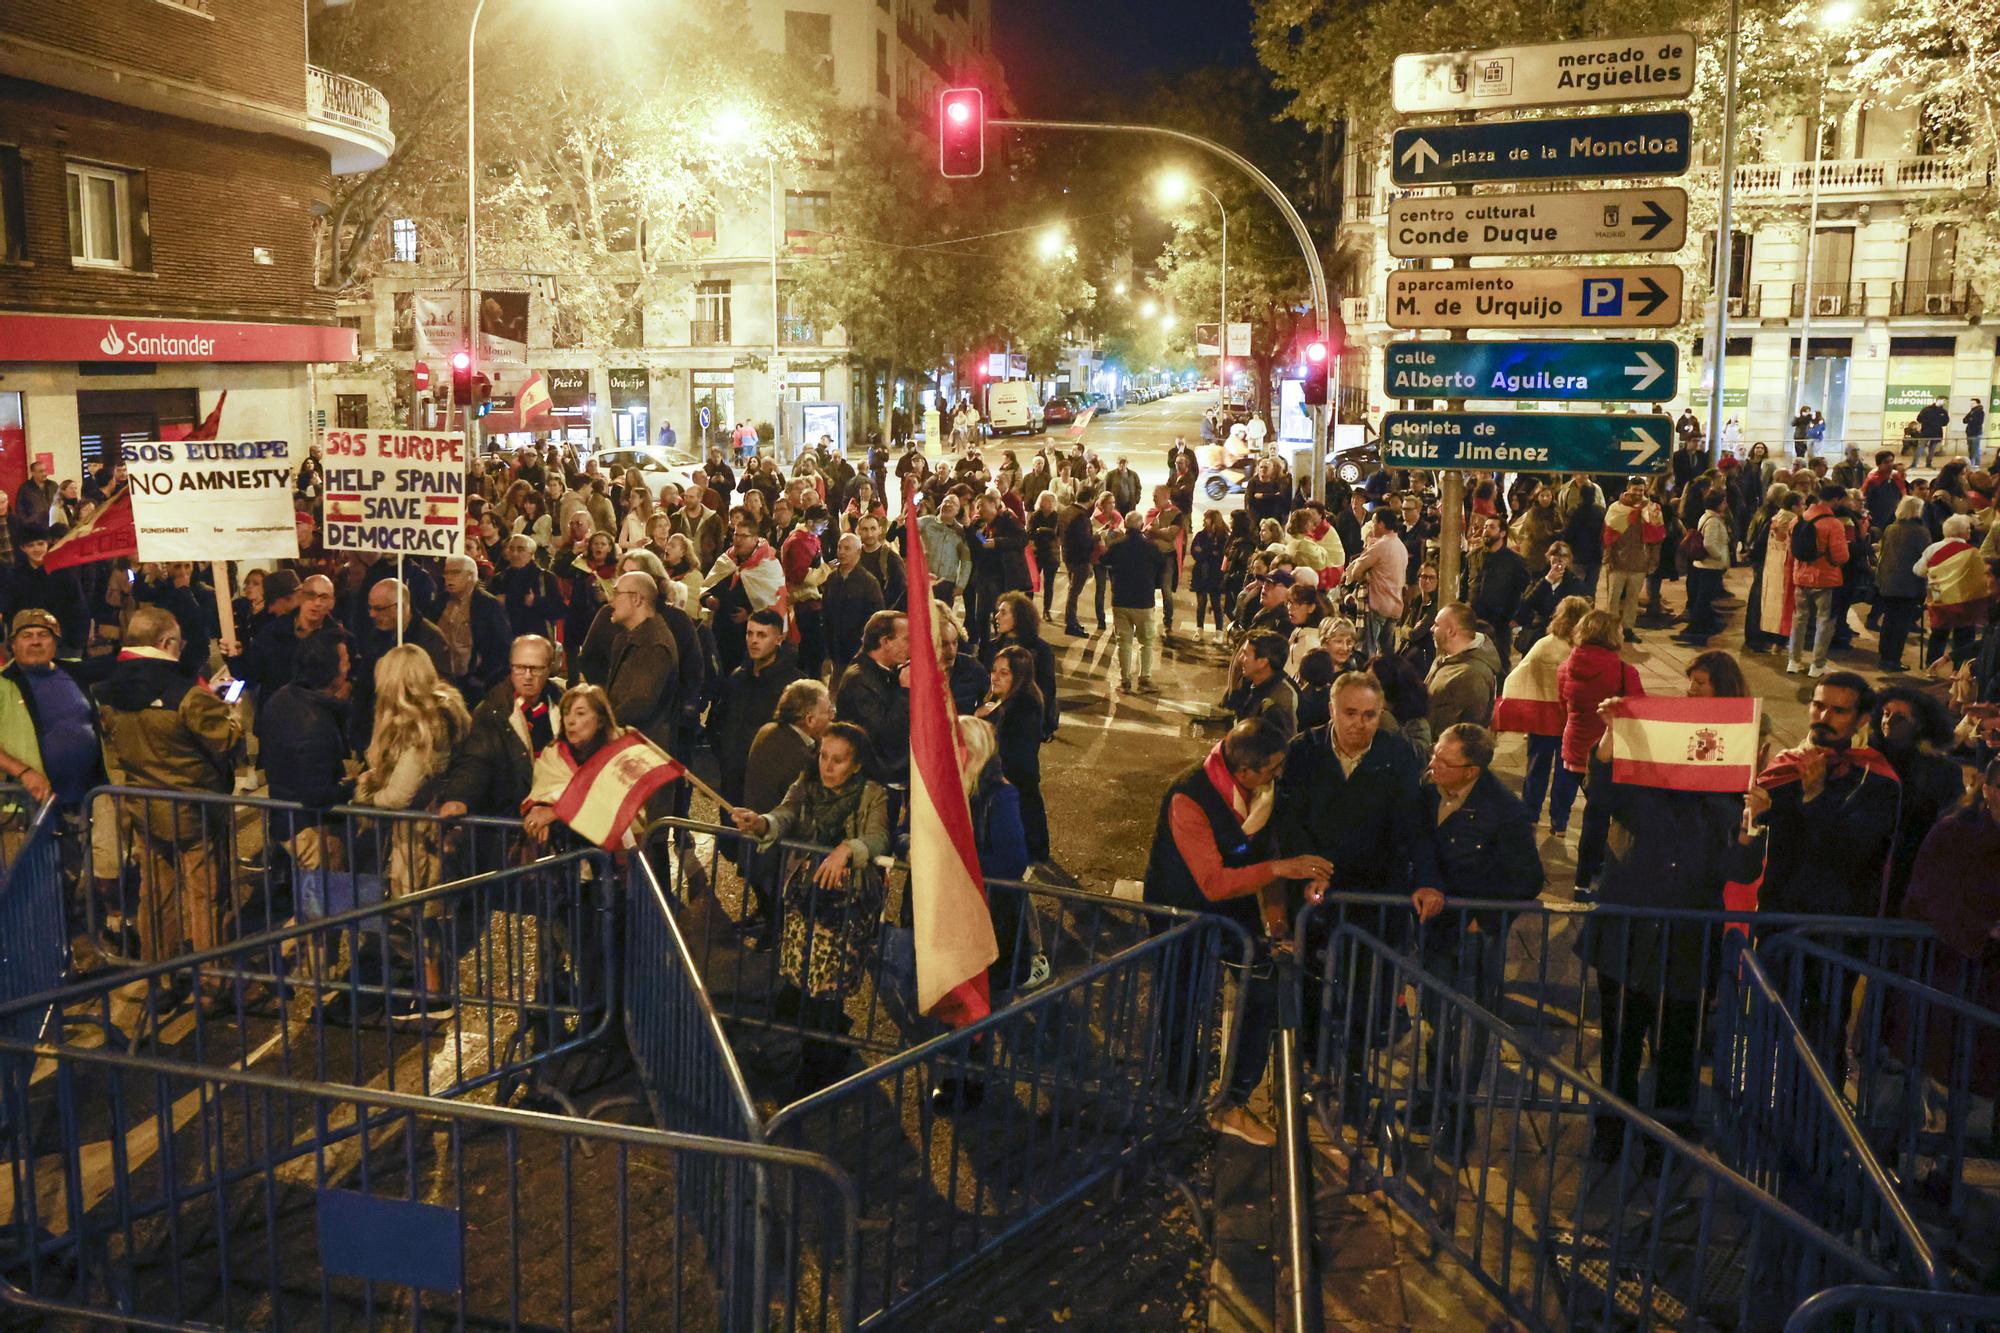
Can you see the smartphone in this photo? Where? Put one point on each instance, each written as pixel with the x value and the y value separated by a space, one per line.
pixel 230 692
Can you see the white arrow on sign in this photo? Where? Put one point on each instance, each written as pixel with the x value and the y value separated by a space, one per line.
pixel 1640 447
pixel 1416 154
pixel 1647 370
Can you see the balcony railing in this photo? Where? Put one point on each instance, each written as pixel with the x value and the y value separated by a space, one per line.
pixel 795 332
pixel 1858 176
pixel 1941 298
pixel 708 333
pixel 356 108
pixel 1745 304
pixel 1831 300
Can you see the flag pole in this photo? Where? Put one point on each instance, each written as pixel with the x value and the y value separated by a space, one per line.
pixel 225 608
pixel 399 599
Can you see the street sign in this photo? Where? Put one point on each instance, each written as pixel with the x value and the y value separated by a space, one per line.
pixel 1526 441
pixel 1629 296
pixel 1549 223
pixel 1581 372
pixel 1606 69
pixel 1652 143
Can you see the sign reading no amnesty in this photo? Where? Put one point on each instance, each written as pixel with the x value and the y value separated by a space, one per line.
pixel 395 491
pixel 208 500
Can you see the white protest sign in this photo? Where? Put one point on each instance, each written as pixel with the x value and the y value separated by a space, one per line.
pixel 401 492
pixel 208 500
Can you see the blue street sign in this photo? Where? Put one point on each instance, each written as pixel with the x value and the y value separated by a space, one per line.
pixel 1579 372
pixel 1526 441
pixel 1653 143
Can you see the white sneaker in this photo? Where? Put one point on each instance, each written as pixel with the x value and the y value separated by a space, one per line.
pixel 1794 666
pixel 1817 671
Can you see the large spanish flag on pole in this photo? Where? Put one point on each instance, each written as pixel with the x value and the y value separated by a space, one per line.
pixel 1685 744
pixel 954 931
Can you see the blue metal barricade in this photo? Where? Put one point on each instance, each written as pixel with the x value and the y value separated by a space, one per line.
pixel 1602 1217
pixel 1865 1309
pixel 34 926
pixel 1780 1122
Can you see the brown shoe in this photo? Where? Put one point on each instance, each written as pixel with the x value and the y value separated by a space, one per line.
pixel 1238 1122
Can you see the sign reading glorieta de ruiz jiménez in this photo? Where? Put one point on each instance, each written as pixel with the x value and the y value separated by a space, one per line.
pixel 206 500
pixel 400 492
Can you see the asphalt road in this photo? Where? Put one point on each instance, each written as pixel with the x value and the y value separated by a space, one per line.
pixel 1141 432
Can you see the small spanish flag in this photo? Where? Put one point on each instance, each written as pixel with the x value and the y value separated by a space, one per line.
pixel 533 399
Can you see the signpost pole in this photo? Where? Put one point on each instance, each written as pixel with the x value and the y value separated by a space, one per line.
pixel 1719 289
pixel 1451 488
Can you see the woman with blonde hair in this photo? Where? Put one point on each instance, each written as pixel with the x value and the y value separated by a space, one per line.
pixel 420 721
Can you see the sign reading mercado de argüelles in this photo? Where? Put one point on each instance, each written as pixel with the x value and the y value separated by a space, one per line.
pixel 1597 70
pixel 1648 143
pixel 1544 223
pixel 1526 441
pixel 1629 296
pixel 1552 371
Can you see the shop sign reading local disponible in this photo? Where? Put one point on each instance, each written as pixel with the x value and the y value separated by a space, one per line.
pixel 399 492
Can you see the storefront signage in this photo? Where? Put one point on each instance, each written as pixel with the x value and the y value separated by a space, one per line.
pixel 395 491
pixel 569 392
pixel 116 338
pixel 206 500
pixel 628 390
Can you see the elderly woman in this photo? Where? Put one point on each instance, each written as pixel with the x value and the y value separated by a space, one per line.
pixel 832 910
pixel 1958 593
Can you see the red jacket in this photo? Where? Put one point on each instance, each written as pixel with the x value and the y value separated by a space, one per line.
pixel 1588 676
pixel 1827 571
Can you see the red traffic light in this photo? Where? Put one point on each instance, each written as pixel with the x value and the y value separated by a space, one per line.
pixel 461 360
pixel 961 132
pixel 1316 366
pixel 1316 351
pixel 461 377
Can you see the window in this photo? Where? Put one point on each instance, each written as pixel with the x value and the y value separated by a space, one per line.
pixel 403 240
pixel 807 212
pixel 796 328
pixel 403 331
pixel 1741 244
pixel 350 411
pixel 701 226
pixel 711 313
pixel 1933 257
pixel 630 330
pixel 105 211
pixel 882 64
pixel 1833 256
pixel 809 40
pixel 13 207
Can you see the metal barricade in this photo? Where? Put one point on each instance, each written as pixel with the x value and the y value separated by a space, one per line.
pixel 1865 1309
pixel 1780 1122
pixel 34 925
pixel 194 869
pixel 1604 1217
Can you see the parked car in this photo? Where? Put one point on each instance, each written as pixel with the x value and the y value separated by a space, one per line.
pixel 1060 410
pixel 656 466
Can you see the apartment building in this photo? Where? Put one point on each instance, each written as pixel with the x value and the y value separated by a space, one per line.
pixel 160 161
pixel 1886 317
pixel 732 347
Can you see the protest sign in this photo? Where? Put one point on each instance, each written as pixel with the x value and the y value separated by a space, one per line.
pixel 401 492
pixel 206 500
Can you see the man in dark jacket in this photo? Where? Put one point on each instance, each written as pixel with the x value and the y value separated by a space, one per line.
pixel 473 624
pixel 1261 688
pixel 999 546
pixel 783 751
pixel 749 698
pixel 57 591
pixel 1135 569
pixel 847 599
pixel 378 637
pixel 302 729
pixel 493 771
pixel 268 663
pixel 645 665
pixel 874 693
pixel 1497 579
pixel 1079 553
pixel 1124 485
pixel 1482 841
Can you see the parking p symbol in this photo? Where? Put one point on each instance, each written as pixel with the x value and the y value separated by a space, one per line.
pixel 1604 296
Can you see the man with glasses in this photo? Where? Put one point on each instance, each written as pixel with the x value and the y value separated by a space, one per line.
pixel 645 662
pixel 493 771
pixel 268 663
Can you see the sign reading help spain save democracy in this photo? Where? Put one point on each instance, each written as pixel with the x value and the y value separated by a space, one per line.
pixel 208 500
pixel 395 491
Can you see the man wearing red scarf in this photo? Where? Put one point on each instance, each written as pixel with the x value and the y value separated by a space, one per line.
pixel 1211 854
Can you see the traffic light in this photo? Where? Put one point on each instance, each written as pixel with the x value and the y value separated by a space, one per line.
pixel 961 132
pixel 1317 362
pixel 461 378
pixel 482 393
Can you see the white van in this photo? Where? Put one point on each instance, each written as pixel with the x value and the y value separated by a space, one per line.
pixel 1011 408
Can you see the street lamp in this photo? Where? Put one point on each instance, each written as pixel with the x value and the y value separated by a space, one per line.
pixel 1837 14
pixel 1118 289
pixel 1167 322
pixel 1149 308
pixel 1051 243
pixel 1174 188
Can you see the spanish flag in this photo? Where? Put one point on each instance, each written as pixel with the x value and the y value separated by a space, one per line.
pixel 600 797
pixel 533 399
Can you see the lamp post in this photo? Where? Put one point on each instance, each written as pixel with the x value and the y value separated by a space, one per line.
pixel 1174 188
pixel 472 223
pixel 1834 17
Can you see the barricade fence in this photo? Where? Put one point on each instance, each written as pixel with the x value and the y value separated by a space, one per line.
pixel 1604 1217
pixel 34 929
pixel 1868 1309
pixel 1781 1123
pixel 166 871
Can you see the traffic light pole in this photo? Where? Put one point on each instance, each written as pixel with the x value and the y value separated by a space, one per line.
pixel 1314 268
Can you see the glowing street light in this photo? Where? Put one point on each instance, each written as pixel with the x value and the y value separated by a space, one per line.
pixel 1167 321
pixel 1149 309
pixel 1118 290
pixel 1051 243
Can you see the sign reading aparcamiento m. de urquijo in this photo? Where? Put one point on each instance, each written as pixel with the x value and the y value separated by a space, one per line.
pixel 206 500
pixel 399 492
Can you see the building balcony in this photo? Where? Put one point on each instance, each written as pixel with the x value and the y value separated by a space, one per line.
pixel 708 333
pixel 349 119
pixel 795 332
pixel 1869 177
pixel 1745 304
pixel 1829 300
pixel 1938 299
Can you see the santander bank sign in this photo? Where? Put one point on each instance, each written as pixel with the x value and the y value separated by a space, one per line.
pixel 25 337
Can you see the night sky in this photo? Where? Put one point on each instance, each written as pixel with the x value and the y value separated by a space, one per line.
pixel 1055 49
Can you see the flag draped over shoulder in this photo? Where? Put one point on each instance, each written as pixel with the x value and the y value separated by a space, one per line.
pixel 954 931
pixel 602 796
pixel 1685 744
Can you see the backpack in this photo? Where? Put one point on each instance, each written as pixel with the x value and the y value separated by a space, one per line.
pixel 1805 541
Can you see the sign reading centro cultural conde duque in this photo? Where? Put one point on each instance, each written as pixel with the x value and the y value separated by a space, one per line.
pixel 395 491
pixel 208 500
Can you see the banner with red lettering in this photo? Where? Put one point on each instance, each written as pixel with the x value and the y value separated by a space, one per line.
pixel 395 491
